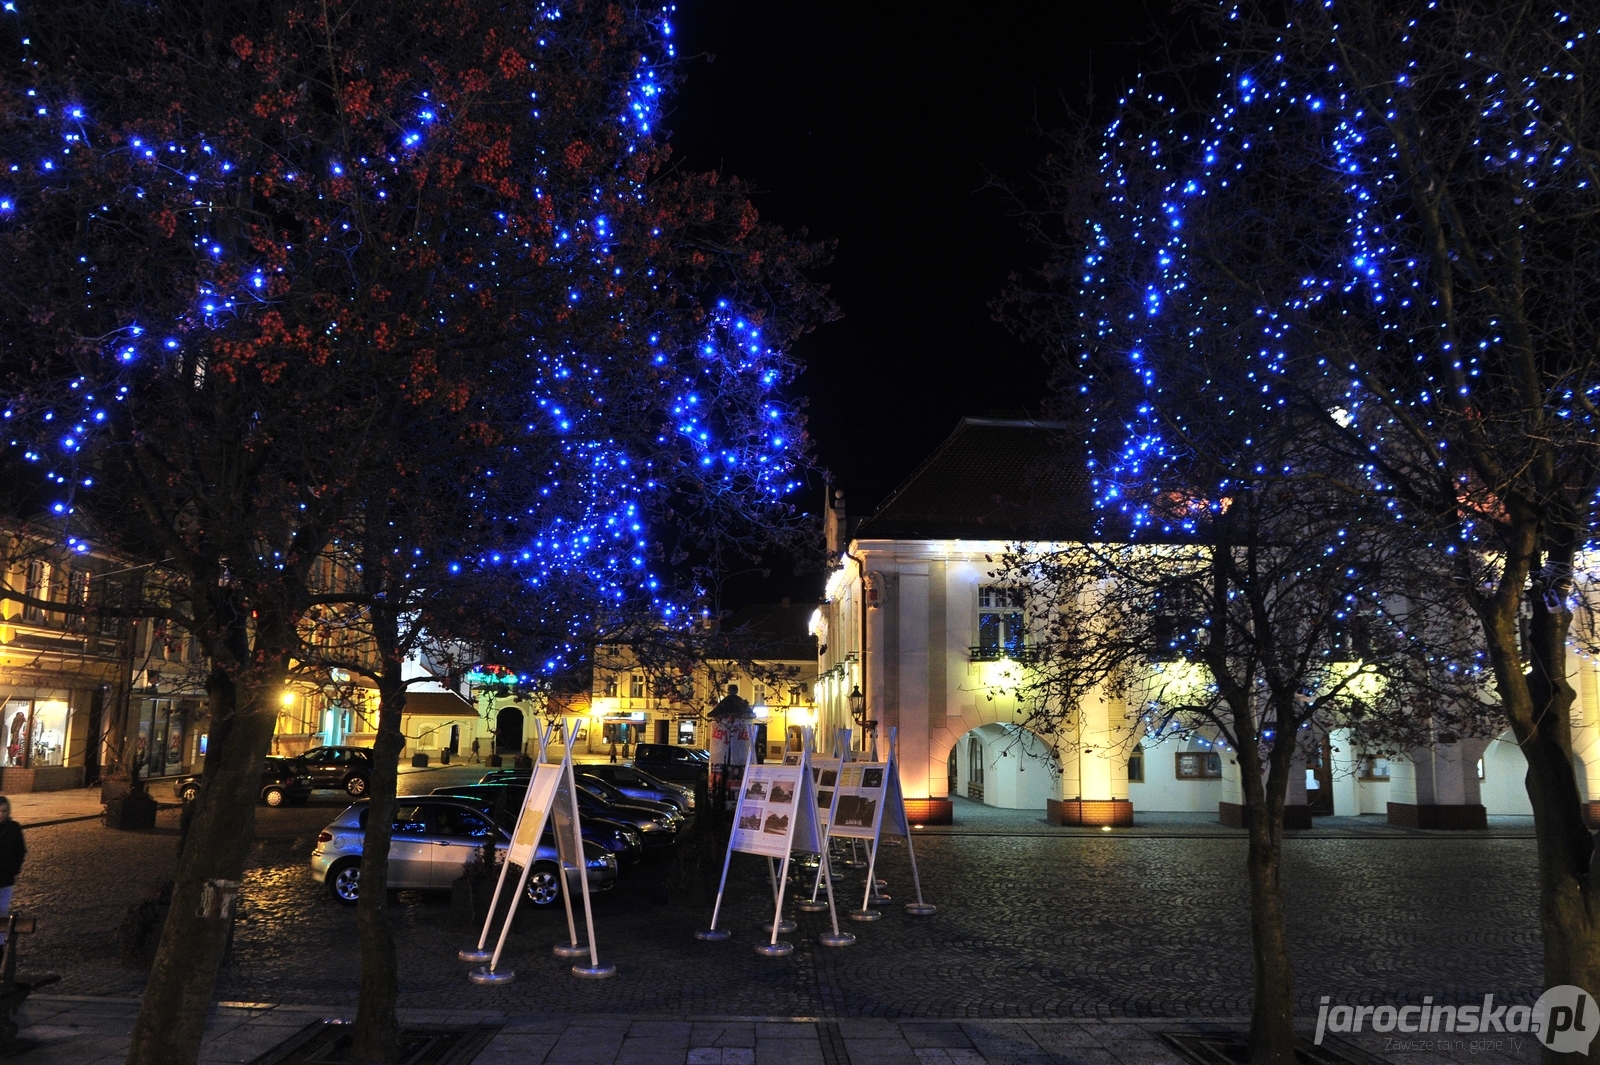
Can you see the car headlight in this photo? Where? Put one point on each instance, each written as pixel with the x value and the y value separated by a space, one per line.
pixel 690 797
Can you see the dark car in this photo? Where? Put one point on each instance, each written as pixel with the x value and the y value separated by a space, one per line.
pixel 282 780
pixel 616 796
pixel 503 801
pixel 635 783
pixel 657 822
pixel 346 768
pixel 676 765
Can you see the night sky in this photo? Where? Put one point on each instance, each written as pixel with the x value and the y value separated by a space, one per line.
pixel 879 125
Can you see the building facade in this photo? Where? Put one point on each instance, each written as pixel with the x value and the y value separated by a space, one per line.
pixel 914 619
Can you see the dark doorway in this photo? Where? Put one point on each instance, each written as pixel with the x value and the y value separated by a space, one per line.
pixel 663 734
pixel 508 731
pixel 759 738
pixel 951 770
pixel 455 739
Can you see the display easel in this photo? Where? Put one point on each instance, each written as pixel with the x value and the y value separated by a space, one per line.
pixel 775 815
pixel 552 791
pixel 867 803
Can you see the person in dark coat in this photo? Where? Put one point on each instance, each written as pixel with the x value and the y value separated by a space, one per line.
pixel 12 851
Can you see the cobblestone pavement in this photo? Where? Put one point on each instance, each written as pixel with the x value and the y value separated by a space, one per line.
pixel 1029 926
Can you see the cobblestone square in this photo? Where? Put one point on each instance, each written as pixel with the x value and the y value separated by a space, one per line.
pixel 1033 923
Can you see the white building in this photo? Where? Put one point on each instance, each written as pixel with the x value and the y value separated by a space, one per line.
pixel 914 620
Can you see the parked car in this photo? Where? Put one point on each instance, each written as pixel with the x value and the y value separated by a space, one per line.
pixel 657 822
pixel 638 784
pixel 346 768
pixel 677 765
pixel 613 794
pixel 503 801
pixel 282 780
pixel 434 839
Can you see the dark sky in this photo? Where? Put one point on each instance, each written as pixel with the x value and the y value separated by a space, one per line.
pixel 878 124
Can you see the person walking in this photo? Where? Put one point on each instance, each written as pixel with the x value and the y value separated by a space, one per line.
pixel 474 749
pixel 12 851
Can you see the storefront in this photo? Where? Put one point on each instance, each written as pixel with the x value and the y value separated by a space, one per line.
pixel 163 728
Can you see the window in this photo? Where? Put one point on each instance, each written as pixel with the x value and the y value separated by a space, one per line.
pixel 410 819
pixel 1177 624
pixel 1198 765
pixel 611 687
pixel 1373 768
pixel 1480 769
pixel 464 824
pixel 1136 767
pixel 761 695
pixel 1000 631
pixel 636 686
pixel 38 587
pixel 686 733
pixel 78 598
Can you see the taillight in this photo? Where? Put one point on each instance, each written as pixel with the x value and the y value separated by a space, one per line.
pixel 325 837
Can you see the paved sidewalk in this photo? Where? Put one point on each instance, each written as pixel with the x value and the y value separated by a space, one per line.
pixel 69 1030
pixel 36 808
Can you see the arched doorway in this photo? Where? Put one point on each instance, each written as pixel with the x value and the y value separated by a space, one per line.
pixel 508 731
pixel 1005 765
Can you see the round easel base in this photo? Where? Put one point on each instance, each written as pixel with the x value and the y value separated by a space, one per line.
pixel 865 915
pixel 594 972
pixel 775 950
pixel 713 935
pixel 569 950
pixel 474 955
pixel 879 900
pixel 811 907
pixel 484 976
pixel 836 939
pixel 921 909
pixel 784 928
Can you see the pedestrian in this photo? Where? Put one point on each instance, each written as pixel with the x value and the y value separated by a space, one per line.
pixel 12 851
pixel 474 748
pixel 613 752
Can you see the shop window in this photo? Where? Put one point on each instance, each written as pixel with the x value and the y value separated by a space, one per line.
pixel 1374 768
pixel 1136 767
pixel 686 733
pixel 1198 765
pixel 16 731
pixel 48 741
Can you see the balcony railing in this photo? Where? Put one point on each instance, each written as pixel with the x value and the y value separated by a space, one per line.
pixel 1001 653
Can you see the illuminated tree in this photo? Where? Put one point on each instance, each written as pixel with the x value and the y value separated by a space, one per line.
pixel 253 253
pixel 1376 241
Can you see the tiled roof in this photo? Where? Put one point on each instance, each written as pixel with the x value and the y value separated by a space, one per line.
pixel 991 480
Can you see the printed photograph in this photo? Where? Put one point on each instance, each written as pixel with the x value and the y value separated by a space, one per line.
pixel 830 777
pixel 757 790
pixel 855 810
pixel 781 792
pixel 825 799
pixel 872 778
pixel 750 820
pixel 777 824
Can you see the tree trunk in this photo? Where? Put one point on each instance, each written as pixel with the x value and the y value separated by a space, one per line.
pixel 177 998
pixel 377 1030
pixel 1272 1001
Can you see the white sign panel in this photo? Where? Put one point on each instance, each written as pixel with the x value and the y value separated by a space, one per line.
pixel 535 811
pixel 858 804
pixel 765 819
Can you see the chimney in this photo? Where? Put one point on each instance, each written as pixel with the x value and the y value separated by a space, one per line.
pixel 834 524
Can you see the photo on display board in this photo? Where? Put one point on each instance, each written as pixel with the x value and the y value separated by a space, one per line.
pixel 824 799
pixel 777 824
pixel 750 821
pixel 758 790
pixel 872 778
pixel 856 810
pixel 780 793
pixel 830 777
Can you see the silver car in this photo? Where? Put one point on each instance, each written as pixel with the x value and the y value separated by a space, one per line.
pixel 434 839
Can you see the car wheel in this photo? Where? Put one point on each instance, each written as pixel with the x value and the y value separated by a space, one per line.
pixel 356 786
pixel 190 794
pixel 344 882
pixel 544 885
pixel 273 796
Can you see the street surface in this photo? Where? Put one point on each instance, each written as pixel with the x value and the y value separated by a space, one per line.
pixel 1033 923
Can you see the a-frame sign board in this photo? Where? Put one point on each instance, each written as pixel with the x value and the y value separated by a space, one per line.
pixel 552 799
pixel 869 803
pixel 776 815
